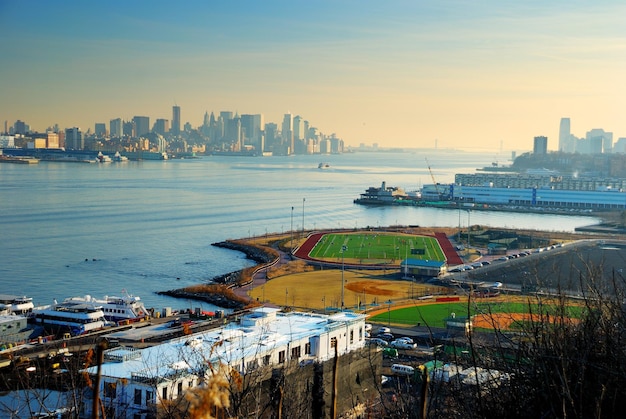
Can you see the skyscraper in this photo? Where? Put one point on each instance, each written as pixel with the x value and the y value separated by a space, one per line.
pixel 142 125
pixel 115 128
pixel 287 131
pixel 565 137
pixel 74 138
pixel 175 120
pixel 100 129
pixel 161 126
pixel 540 145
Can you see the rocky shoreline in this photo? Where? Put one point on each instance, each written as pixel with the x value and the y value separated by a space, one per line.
pixel 230 279
pixel 216 299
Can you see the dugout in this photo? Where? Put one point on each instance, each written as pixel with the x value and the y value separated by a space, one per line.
pixel 423 268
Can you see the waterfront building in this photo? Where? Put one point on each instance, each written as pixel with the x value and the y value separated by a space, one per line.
pixel 135 382
pixel 540 178
pixel 7 141
pixel 52 140
pixel 536 197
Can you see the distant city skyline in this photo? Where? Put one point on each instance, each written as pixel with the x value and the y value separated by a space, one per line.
pixel 450 74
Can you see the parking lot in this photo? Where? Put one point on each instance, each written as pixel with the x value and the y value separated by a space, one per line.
pixel 569 268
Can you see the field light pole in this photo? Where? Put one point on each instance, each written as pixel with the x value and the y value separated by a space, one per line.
pixel 468 229
pixel 303 199
pixel 291 243
pixel 343 250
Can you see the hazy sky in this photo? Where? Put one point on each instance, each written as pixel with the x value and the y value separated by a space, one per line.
pixel 401 73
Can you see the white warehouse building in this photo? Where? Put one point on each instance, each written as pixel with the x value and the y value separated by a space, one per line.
pixel 602 198
pixel 135 381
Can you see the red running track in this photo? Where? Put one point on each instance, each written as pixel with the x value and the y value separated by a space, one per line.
pixel 452 257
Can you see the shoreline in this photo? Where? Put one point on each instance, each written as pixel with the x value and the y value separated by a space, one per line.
pixel 265 251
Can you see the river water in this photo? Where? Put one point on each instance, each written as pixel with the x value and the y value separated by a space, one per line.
pixel 69 229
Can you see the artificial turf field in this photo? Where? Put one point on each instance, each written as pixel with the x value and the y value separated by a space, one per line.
pixel 376 248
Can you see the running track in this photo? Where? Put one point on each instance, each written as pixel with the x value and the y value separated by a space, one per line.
pixel 452 257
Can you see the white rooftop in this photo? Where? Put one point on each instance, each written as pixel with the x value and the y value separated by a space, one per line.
pixel 257 333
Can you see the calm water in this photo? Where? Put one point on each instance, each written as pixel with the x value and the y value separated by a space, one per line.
pixel 74 229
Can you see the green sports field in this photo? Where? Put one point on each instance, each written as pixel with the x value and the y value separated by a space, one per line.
pixel 434 315
pixel 375 248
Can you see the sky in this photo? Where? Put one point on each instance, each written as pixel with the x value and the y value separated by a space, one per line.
pixel 482 75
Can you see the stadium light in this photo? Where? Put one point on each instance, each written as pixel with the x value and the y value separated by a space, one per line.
pixel 343 250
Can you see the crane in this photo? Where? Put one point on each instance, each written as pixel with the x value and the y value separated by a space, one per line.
pixel 433 178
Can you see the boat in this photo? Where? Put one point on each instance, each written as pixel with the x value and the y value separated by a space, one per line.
pixel 119 310
pixel 103 158
pixel 119 158
pixel 385 195
pixel 15 305
pixel 323 166
pixel 74 317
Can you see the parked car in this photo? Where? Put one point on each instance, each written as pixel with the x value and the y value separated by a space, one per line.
pixel 384 330
pixel 402 369
pixel 377 342
pixel 386 336
pixel 402 344
pixel 406 339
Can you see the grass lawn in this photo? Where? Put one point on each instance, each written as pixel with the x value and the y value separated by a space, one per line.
pixel 375 248
pixel 434 315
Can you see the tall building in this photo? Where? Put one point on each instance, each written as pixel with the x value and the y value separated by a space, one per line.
pixel 20 127
pixel 129 129
pixel 599 141
pixel 175 120
pixel 100 129
pixel 74 139
pixel 115 128
pixel 566 143
pixel 287 131
pixel 161 126
pixel 252 125
pixel 52 140
pixel 540 145
pixel 142 125
pixel 225 126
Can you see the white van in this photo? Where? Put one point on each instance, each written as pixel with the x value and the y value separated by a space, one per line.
pixel 402 369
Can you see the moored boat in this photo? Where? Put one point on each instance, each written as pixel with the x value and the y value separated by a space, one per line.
pixel 17 305
pixel 119 158
pixel 125 309
pixel 74 317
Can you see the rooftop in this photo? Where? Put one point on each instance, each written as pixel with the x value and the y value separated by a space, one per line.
pixel 258 332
